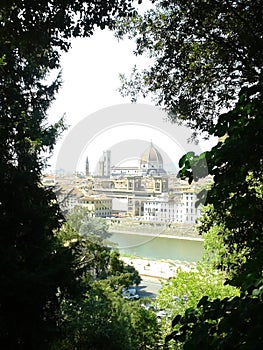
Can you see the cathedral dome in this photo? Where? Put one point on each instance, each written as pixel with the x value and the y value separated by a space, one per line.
pixel 151 160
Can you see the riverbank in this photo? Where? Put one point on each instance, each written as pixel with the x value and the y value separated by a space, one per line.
pixel 158 234
pixel 158 248
pixel 177 230
pixel 157 268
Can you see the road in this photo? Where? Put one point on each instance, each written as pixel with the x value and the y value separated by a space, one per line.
pixel 148 287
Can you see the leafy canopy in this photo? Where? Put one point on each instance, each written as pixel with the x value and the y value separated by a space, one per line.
pixel 37 271
pixel 203 52
pixel 207 71
pixel 236 195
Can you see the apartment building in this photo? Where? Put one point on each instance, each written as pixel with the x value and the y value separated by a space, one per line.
pixel 180 208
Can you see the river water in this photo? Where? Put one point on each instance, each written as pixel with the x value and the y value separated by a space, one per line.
pixel 158 247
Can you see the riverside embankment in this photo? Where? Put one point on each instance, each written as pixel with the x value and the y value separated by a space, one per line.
pixel 157 249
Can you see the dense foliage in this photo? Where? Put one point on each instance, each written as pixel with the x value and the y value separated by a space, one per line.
pixel 182 294
pixel 203 52
pixel 188 287
pixel 207 58
pixel 236 199
pixel 236 195
pixel 221 324
pixel 96 251
pixel 102 318
pixel 37 272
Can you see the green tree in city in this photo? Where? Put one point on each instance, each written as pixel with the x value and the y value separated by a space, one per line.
pixel 99 321
pixel 85 224
pixel 184 291
pixel 37 272
pixel 236 194
pixel 102 318
pixel 94 232
pixel 96 260
pixel 145 329
pixel 188 287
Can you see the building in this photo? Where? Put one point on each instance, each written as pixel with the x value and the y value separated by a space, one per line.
pixel 118 171
pixel 68 197
pixel 179 209
pixel 151 163
pixel 129 187
pixel 101 168
pixel 97 206
pixel 105 164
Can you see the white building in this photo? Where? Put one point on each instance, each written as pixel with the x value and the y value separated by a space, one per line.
pixel 180 209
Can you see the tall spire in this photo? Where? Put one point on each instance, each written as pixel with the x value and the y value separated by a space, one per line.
pixel 87 166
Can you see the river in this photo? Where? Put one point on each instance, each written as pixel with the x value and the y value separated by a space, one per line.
pixel 158 247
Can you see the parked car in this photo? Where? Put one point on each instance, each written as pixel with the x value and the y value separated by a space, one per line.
pixel 148 306
pixel 130 293
pixel 161 313
pixel 131 296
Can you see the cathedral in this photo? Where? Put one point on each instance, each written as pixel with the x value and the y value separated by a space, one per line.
pixel 150 164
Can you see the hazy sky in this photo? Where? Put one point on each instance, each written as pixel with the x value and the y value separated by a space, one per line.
pixel 90 74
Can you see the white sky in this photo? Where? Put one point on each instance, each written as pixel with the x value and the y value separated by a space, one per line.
pixel 107 139
pixel 90 74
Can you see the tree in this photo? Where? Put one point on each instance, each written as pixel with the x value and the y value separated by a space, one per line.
pixel 96 260
pixel 145 330
pixel 188 287
pixel 94 234
pixel 37 272
pixel 220 324
pixel 102 318
pixel 236 199
pixel 208 56
pixel 184 291
pixel 203 52
pixel 236 194
pixel 99 321
pixel 81 220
